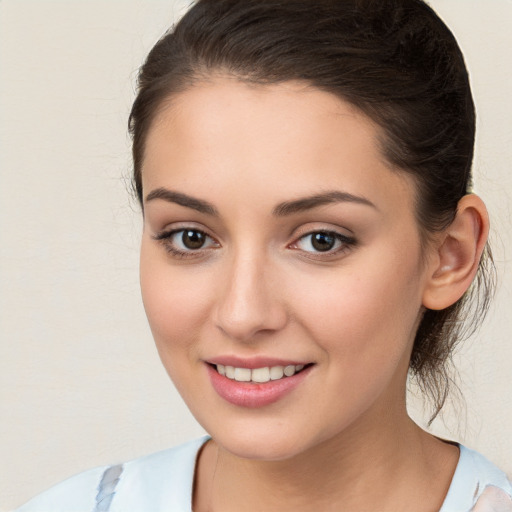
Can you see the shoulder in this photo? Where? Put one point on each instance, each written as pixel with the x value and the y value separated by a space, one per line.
pixel 478 486
pixel 161 481
pixel 76 493
pixel 145 483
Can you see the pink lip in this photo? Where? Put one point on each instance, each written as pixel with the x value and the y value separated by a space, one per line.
pixel 253 362
pixel 251 395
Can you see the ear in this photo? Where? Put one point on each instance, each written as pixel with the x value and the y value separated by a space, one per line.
pixel 456 256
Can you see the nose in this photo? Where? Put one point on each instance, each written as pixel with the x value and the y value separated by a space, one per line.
pixel 249 301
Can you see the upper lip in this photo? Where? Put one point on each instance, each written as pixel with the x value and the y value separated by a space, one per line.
pixel 254 362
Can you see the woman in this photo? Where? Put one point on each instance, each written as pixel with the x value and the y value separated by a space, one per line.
pixel 310 237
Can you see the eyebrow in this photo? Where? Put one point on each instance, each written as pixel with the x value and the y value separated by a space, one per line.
pixel 281 210
pixel 308 203
pixel 183 200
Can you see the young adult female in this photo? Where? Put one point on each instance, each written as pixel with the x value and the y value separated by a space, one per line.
pixel 310 237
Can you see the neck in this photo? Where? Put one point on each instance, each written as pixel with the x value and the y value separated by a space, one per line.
pixel 360 469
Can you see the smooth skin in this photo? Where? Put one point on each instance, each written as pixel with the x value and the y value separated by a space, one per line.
pixel 249 281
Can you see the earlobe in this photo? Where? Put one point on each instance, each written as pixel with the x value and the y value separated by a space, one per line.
pixel 457 254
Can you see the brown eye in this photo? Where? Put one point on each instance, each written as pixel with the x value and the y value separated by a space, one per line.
pixel 193 239
pixel 186 242
pixel 322 241
pixel 328 242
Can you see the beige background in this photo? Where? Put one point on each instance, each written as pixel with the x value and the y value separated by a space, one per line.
pixel 80 381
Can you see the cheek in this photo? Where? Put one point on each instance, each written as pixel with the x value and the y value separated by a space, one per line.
pixel 175 301
pixel 365 310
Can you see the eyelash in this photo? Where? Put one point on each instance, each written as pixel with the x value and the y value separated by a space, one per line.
pixel 165 238
pixel 346 243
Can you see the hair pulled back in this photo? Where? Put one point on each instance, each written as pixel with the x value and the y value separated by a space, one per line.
pixel 395 60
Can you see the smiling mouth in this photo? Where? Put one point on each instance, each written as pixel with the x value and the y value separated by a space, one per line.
pixel 259 375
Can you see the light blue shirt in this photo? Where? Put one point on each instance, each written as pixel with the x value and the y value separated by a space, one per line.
pixel 162 482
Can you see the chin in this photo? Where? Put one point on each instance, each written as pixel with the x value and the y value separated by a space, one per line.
pixel 260 447
pixel 264 438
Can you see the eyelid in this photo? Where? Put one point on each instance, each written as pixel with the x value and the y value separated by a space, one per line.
pixel 324 227
pixel 175 227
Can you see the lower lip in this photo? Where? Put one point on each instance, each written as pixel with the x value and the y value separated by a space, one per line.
pixel 252 395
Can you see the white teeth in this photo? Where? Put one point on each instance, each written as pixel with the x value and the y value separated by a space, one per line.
pixel 289 370
pixel 259 375
pixel 276 372
pixel 243 374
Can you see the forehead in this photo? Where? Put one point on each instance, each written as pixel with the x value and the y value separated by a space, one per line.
pixel 275 140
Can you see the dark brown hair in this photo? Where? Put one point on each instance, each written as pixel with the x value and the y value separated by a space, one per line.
pixel 395 60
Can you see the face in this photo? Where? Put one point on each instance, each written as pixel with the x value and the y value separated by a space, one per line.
pixel 281 265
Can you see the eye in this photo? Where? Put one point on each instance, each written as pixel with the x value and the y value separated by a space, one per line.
pixel 185 242
pixel 323 242
pixel 189 239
